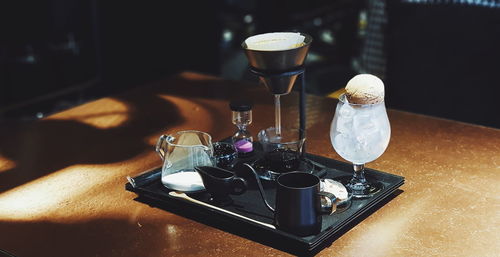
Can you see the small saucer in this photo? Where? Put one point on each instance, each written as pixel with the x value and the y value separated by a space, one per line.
pixel 343 193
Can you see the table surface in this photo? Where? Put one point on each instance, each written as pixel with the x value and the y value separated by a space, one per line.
pixel 62 178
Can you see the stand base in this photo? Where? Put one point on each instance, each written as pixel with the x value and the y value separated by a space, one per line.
pixel 362 190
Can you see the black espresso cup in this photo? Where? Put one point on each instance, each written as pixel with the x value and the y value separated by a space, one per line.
pixel 298 203
pixel 220 183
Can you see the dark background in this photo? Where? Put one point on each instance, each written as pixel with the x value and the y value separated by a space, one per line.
pixel 444 60
pixel 438 58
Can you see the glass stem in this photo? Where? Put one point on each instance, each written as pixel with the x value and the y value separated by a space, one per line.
pixel 359 174
pixel 277 114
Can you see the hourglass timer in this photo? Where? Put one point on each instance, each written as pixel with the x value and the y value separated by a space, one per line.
pixel 242 117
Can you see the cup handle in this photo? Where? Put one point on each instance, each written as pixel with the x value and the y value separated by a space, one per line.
pixel 333 200
pixel 161 146
pixel 238 186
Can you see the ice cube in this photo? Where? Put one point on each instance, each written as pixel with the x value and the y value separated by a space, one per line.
pixel 343 119
pixel 346 111
pixel 344 126
pixel 363 122
pixel 366 131
pixel 342 143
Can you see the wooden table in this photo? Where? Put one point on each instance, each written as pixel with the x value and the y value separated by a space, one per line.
pixel 62 178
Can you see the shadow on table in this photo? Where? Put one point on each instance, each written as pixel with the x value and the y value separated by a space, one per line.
pixel 42 147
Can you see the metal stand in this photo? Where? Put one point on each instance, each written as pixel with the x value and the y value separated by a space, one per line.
pixel 300 70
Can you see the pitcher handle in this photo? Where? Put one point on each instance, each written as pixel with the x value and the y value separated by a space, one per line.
pixel 261 189
pixel 160 146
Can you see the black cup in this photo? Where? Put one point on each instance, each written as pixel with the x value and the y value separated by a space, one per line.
pixel 298 203
pixel 220 183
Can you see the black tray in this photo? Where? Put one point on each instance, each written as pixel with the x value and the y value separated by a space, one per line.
pixel 151 191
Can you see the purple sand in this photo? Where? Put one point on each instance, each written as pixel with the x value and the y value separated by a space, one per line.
pixel 243 146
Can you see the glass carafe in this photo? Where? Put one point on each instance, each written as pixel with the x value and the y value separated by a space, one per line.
pixel 181 152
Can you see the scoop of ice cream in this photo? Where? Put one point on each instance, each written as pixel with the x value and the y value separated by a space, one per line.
pixel 365 89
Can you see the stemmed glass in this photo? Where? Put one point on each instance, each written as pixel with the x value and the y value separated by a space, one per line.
pixel 360 133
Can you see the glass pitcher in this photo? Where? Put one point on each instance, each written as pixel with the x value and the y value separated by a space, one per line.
pixel 181 152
